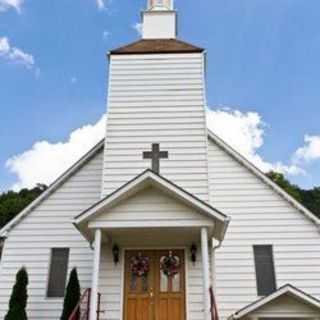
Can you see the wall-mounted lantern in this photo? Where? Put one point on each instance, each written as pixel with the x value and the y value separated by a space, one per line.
pixel 115 253
pixel 193 251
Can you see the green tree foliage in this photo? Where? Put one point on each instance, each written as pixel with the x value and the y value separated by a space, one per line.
pixel 19 297
pixel 72 296
pixel 309 198
pixel 11 203
pixel 282 182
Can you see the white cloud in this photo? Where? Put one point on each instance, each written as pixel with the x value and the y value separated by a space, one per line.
pixel 11 4
pixel 106 34
pixel 245 133
pixel 14 54
pixel 100 4
pixel 4 46
pixel 74 80
pixel 310 151
pixel 52 159
pixel 103 4
pixel 138 27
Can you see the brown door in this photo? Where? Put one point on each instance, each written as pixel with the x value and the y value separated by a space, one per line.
pixel 154 295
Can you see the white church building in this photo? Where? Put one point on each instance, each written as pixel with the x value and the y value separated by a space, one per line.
pixel 162 210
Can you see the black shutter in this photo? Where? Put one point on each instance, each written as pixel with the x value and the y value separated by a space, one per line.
pixel 1 247
pixel 265 274
pixel 58 272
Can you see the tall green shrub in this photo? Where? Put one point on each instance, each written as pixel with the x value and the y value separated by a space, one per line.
pixel 19 297
pixel 72 296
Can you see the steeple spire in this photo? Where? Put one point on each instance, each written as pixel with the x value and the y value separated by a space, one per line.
pixel 159 20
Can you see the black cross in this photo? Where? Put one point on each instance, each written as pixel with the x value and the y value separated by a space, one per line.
pixel 155 155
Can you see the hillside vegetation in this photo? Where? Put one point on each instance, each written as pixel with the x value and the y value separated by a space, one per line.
pixel 11 203
pixel 309 198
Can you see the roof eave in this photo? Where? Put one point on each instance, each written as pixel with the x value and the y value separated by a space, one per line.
pixel 286 289
pixel 257 172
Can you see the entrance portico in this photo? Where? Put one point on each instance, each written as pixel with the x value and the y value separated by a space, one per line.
pixel 151 213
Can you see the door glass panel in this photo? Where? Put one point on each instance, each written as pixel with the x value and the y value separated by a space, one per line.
pixel 176 282
pixel 133 283
pixel 170 280
pixel 145 283
pixel 163 282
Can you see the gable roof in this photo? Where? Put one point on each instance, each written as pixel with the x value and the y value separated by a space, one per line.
pixel 237 156
pixel 285 290
pixel 259 174
pixel 154 46
pixel 147 178
pixel 53 187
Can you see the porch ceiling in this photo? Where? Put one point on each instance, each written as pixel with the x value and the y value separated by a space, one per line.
pixel 152 237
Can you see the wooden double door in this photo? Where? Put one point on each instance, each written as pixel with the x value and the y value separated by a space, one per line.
pixel 154 295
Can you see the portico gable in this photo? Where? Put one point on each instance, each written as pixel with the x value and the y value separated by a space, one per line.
pixel 151 201
pixel 151 212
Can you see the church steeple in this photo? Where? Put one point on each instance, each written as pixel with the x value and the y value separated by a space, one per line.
pixel 159 20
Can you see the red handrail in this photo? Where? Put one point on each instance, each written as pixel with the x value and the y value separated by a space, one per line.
pixel 82 309
pixel 214 308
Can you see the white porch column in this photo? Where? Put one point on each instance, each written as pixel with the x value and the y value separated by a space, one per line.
pixel 205 271
pixel 95 275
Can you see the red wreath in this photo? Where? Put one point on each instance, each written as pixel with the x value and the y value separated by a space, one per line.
pixel 140 266
pixel 170 265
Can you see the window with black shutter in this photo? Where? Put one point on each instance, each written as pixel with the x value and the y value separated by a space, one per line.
pixel 58 272
pixel 265 273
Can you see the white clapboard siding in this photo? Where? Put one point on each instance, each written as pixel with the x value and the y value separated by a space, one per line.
pixel 157 99
pixel 49 226
pixel 110 285
pixel 259 216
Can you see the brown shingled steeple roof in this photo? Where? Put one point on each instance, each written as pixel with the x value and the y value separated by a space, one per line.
pixel 154 46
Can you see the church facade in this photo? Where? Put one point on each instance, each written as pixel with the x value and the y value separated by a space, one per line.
pixel 162 219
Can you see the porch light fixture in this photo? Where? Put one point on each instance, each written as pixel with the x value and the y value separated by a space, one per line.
pixel 115 253
pixel 193 251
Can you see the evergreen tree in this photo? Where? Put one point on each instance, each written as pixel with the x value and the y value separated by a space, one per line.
pixel 72 296
pixel 19 297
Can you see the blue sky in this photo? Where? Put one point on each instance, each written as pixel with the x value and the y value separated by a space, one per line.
pixel 263 60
